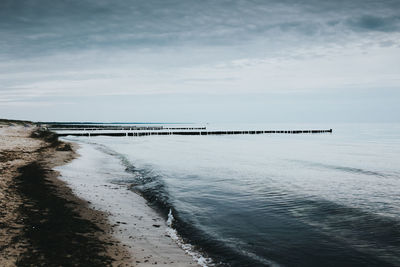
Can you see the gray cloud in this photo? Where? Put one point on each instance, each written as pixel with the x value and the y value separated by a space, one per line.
pixel 40 27
pixel 374 23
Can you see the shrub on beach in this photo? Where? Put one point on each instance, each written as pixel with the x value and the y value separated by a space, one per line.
pixel 52 138
pixel 46 135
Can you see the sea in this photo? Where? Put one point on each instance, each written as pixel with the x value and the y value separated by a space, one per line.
pixel 329 199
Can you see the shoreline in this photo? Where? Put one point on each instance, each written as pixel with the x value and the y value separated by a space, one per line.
pixel 106 185
pixel 46 221
pixel 42 221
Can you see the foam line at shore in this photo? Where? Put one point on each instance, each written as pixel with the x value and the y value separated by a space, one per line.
pixel 145 233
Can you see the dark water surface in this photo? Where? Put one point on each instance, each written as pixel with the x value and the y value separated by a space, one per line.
pixel 291 200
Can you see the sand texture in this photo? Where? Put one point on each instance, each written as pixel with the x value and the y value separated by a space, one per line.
pixel 41 222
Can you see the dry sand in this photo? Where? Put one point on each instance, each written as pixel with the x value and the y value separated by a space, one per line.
pixel 41 222
pixel 17 149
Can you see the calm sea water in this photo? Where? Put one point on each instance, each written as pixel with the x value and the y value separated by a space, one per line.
pixel 259 200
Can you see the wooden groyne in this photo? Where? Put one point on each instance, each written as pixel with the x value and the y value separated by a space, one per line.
pixel 123 133
pixel 116 128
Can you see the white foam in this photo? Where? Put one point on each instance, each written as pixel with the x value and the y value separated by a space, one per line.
pixel 197 256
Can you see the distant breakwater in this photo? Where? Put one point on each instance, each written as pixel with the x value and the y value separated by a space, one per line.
pixel 117 128
pixel 147 133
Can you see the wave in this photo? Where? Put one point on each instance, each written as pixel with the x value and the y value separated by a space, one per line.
pixel 345 169
pixel 188 248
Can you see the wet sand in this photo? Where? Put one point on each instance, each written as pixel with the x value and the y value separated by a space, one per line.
pixel 144 231
pixel 42 223
pixel 46 222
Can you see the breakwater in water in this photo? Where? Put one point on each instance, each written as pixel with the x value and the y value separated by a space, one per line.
pixel 130 133
pixel 118 128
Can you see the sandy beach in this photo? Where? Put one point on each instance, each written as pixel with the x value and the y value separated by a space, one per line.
pixel 44 223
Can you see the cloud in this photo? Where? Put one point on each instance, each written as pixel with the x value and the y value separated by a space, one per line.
pixel 82 48
pixel 36 28
pixel 374 23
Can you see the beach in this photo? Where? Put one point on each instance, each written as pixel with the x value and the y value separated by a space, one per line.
pixel 44 223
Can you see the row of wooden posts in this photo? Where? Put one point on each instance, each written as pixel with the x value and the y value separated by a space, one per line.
pixel 193 133
pixel 121 128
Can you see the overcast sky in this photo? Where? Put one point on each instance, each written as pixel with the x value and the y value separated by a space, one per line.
pixel 200 60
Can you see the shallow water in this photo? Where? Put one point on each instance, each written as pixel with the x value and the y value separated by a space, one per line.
pixel 291 200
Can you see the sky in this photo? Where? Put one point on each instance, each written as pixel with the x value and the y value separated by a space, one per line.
pixel 200 60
